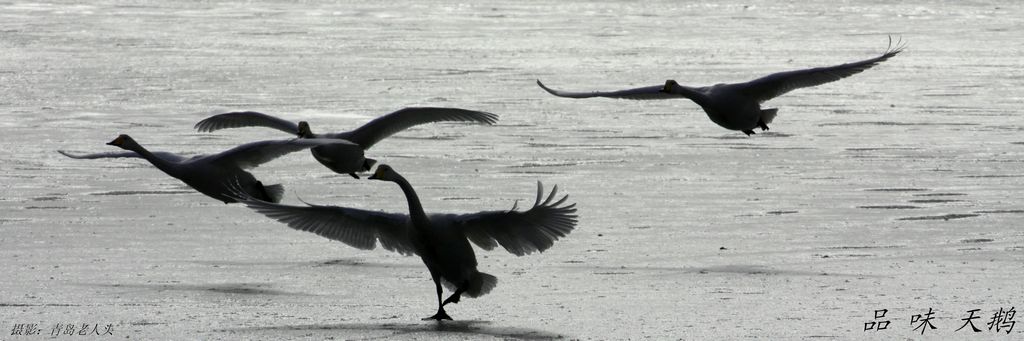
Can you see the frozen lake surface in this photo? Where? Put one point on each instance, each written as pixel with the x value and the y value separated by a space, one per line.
pixel 897 189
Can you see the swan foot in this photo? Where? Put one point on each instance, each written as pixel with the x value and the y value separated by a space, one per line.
pixel 354 175
pixel 441 315
pixel 764 127
pixel 749 132
pixel 452 299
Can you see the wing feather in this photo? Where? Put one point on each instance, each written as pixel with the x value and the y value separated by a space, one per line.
pixel 125 154
pixel 644 93
pixel 387 125
pixel 253 154
pixel 240 119
pixel 358 228
pixel 521 232
pixel 777 84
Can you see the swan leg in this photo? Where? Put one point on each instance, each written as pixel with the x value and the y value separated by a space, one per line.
pixel 761 124
pixel 441 314
pixel 454 298
pixel 354 175
pixel 749 132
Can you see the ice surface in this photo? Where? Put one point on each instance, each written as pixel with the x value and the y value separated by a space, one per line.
pixel 898 188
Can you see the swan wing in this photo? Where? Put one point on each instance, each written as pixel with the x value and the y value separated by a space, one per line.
pixel 125 154
pixel 387 125
pixel 644 93
pixel 239 119
pixel 521 232
pixel 253 154
pixel 777 84
pixel 361 229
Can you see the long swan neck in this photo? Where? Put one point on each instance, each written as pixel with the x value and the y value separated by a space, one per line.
pixel 157 161
pixel 691 93
pixel 415 208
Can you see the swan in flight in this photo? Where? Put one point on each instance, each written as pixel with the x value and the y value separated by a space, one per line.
pixel 737 106
pixel 339 158
pixel 441 240
pixel 216 174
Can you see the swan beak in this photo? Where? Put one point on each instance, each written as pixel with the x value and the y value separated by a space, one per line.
pixel 116 142
pixel 378 175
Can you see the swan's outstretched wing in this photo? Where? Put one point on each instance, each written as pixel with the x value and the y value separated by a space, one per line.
pixel 774 85
pixel 246 119
pixel 387 125
pixel 253 154
pixel 163 155
pixel 647 92
pixel 358 228
pixel 521 233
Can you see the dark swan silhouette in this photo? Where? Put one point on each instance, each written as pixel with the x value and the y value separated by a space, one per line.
pixel 341 159
pixel 216 174
pixel 441 240
pixel 737 106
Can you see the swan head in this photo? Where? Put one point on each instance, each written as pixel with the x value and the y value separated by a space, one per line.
pixel 304 131
pixel 384 172
pixel 123 141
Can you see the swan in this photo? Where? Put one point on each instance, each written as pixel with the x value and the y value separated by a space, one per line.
pixel 737 106
pixel 441 240
pixel 341 159
pixel 213 174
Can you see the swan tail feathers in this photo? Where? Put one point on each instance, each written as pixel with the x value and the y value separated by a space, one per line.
pixel 481 284
pixel 767 115
pixel 275 192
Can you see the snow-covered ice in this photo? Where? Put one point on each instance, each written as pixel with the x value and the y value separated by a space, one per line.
pixel 898 188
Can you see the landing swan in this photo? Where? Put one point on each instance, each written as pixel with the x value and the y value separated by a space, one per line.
pixel 343 160
pixel 441 240
pixel 216 174
pixel 737 106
